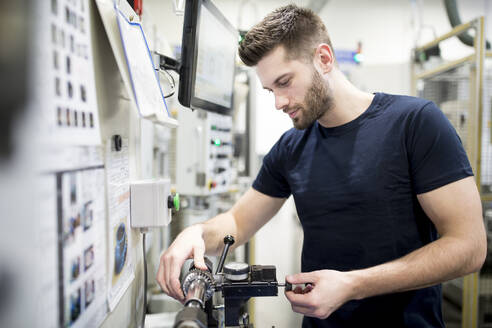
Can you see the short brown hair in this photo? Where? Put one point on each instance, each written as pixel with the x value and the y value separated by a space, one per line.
pixel 298 29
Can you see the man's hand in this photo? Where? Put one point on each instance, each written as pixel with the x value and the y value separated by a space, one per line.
pixel 326 291
pixel 188 244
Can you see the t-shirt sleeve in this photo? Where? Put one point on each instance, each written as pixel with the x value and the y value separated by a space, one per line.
pixel 271 178
pixel 436 154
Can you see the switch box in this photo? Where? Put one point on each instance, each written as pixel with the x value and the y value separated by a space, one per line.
pixel 149 203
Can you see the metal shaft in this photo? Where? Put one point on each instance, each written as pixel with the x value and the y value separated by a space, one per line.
pixel 287 285
pixel 228 241
pixel 196 294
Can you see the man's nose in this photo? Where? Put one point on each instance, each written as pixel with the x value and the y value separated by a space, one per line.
pixel 281 101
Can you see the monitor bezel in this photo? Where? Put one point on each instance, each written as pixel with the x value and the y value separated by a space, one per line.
pixel 189 49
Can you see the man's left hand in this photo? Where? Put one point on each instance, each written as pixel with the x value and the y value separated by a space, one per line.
pixel 325 291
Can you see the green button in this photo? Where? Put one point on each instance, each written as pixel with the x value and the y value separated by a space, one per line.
pixel 176 202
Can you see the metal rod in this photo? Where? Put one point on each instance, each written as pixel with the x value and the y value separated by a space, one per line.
pixel 444 67
pixel 471 281
pixel 228 241
pixel 455 31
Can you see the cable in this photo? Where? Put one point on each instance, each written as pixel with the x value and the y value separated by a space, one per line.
pixel 144 310
pixel 171 81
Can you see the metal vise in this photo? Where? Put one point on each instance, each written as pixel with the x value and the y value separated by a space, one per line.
pixel 237 282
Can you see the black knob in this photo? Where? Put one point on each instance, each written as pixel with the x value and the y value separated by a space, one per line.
pixel 229 240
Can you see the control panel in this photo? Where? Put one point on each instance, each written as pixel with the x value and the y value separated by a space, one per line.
pixel 204 152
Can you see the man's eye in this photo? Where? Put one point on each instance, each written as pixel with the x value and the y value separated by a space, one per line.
pixel 284 83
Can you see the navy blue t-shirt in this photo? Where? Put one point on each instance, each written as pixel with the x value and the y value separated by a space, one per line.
pixel 355 188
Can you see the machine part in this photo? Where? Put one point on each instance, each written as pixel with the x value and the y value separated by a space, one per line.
pixel 238 282
pixel 262 281
pixel 424 55
pixel 196 293
pixel 236 271
pixel 198 287
pixel 455 20
pixel 228 241
pixel 204 148
pixel 149 203
pixel 267 273
pixel 173 202
pixel 287 285
pixel 191 317
pixel 166 63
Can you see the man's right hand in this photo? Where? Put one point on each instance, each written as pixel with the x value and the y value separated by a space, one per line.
pixel 188 244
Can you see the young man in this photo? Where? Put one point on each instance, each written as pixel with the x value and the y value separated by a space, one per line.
pixel 382 186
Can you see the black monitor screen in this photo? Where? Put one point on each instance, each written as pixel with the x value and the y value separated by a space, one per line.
pixel 208 58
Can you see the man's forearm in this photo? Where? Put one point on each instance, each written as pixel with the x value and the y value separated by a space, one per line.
pixel 214 231
pixel 444 259
pixel 247 216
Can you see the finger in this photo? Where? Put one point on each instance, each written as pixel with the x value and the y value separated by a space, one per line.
pixel 167 274
pixel 307 289
pixel 302 278
pixel 178 293
pixel 160 278
pixel 174 283
pixel 198 257
pixel 171 274
pixel 299 289
pixel 299 299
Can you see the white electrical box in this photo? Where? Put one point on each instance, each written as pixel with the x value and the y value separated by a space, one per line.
pixel 204 152
pixel 149 203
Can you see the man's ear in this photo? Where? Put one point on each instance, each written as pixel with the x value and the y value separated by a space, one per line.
pixel 324 58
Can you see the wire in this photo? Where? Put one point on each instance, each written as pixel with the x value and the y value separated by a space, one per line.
pixel 144 311
pixel 171 81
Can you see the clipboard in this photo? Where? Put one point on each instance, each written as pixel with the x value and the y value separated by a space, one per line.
pixel 134 61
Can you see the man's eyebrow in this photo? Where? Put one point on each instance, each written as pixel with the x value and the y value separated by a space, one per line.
pixel 277 80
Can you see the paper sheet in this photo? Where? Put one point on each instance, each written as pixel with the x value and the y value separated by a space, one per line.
pixel 63 74
pixel 145 83
pixel 120 261
pixel 82 247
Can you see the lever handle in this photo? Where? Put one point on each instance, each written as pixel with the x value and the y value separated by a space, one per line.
pixel 228 241
pixel 287 285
